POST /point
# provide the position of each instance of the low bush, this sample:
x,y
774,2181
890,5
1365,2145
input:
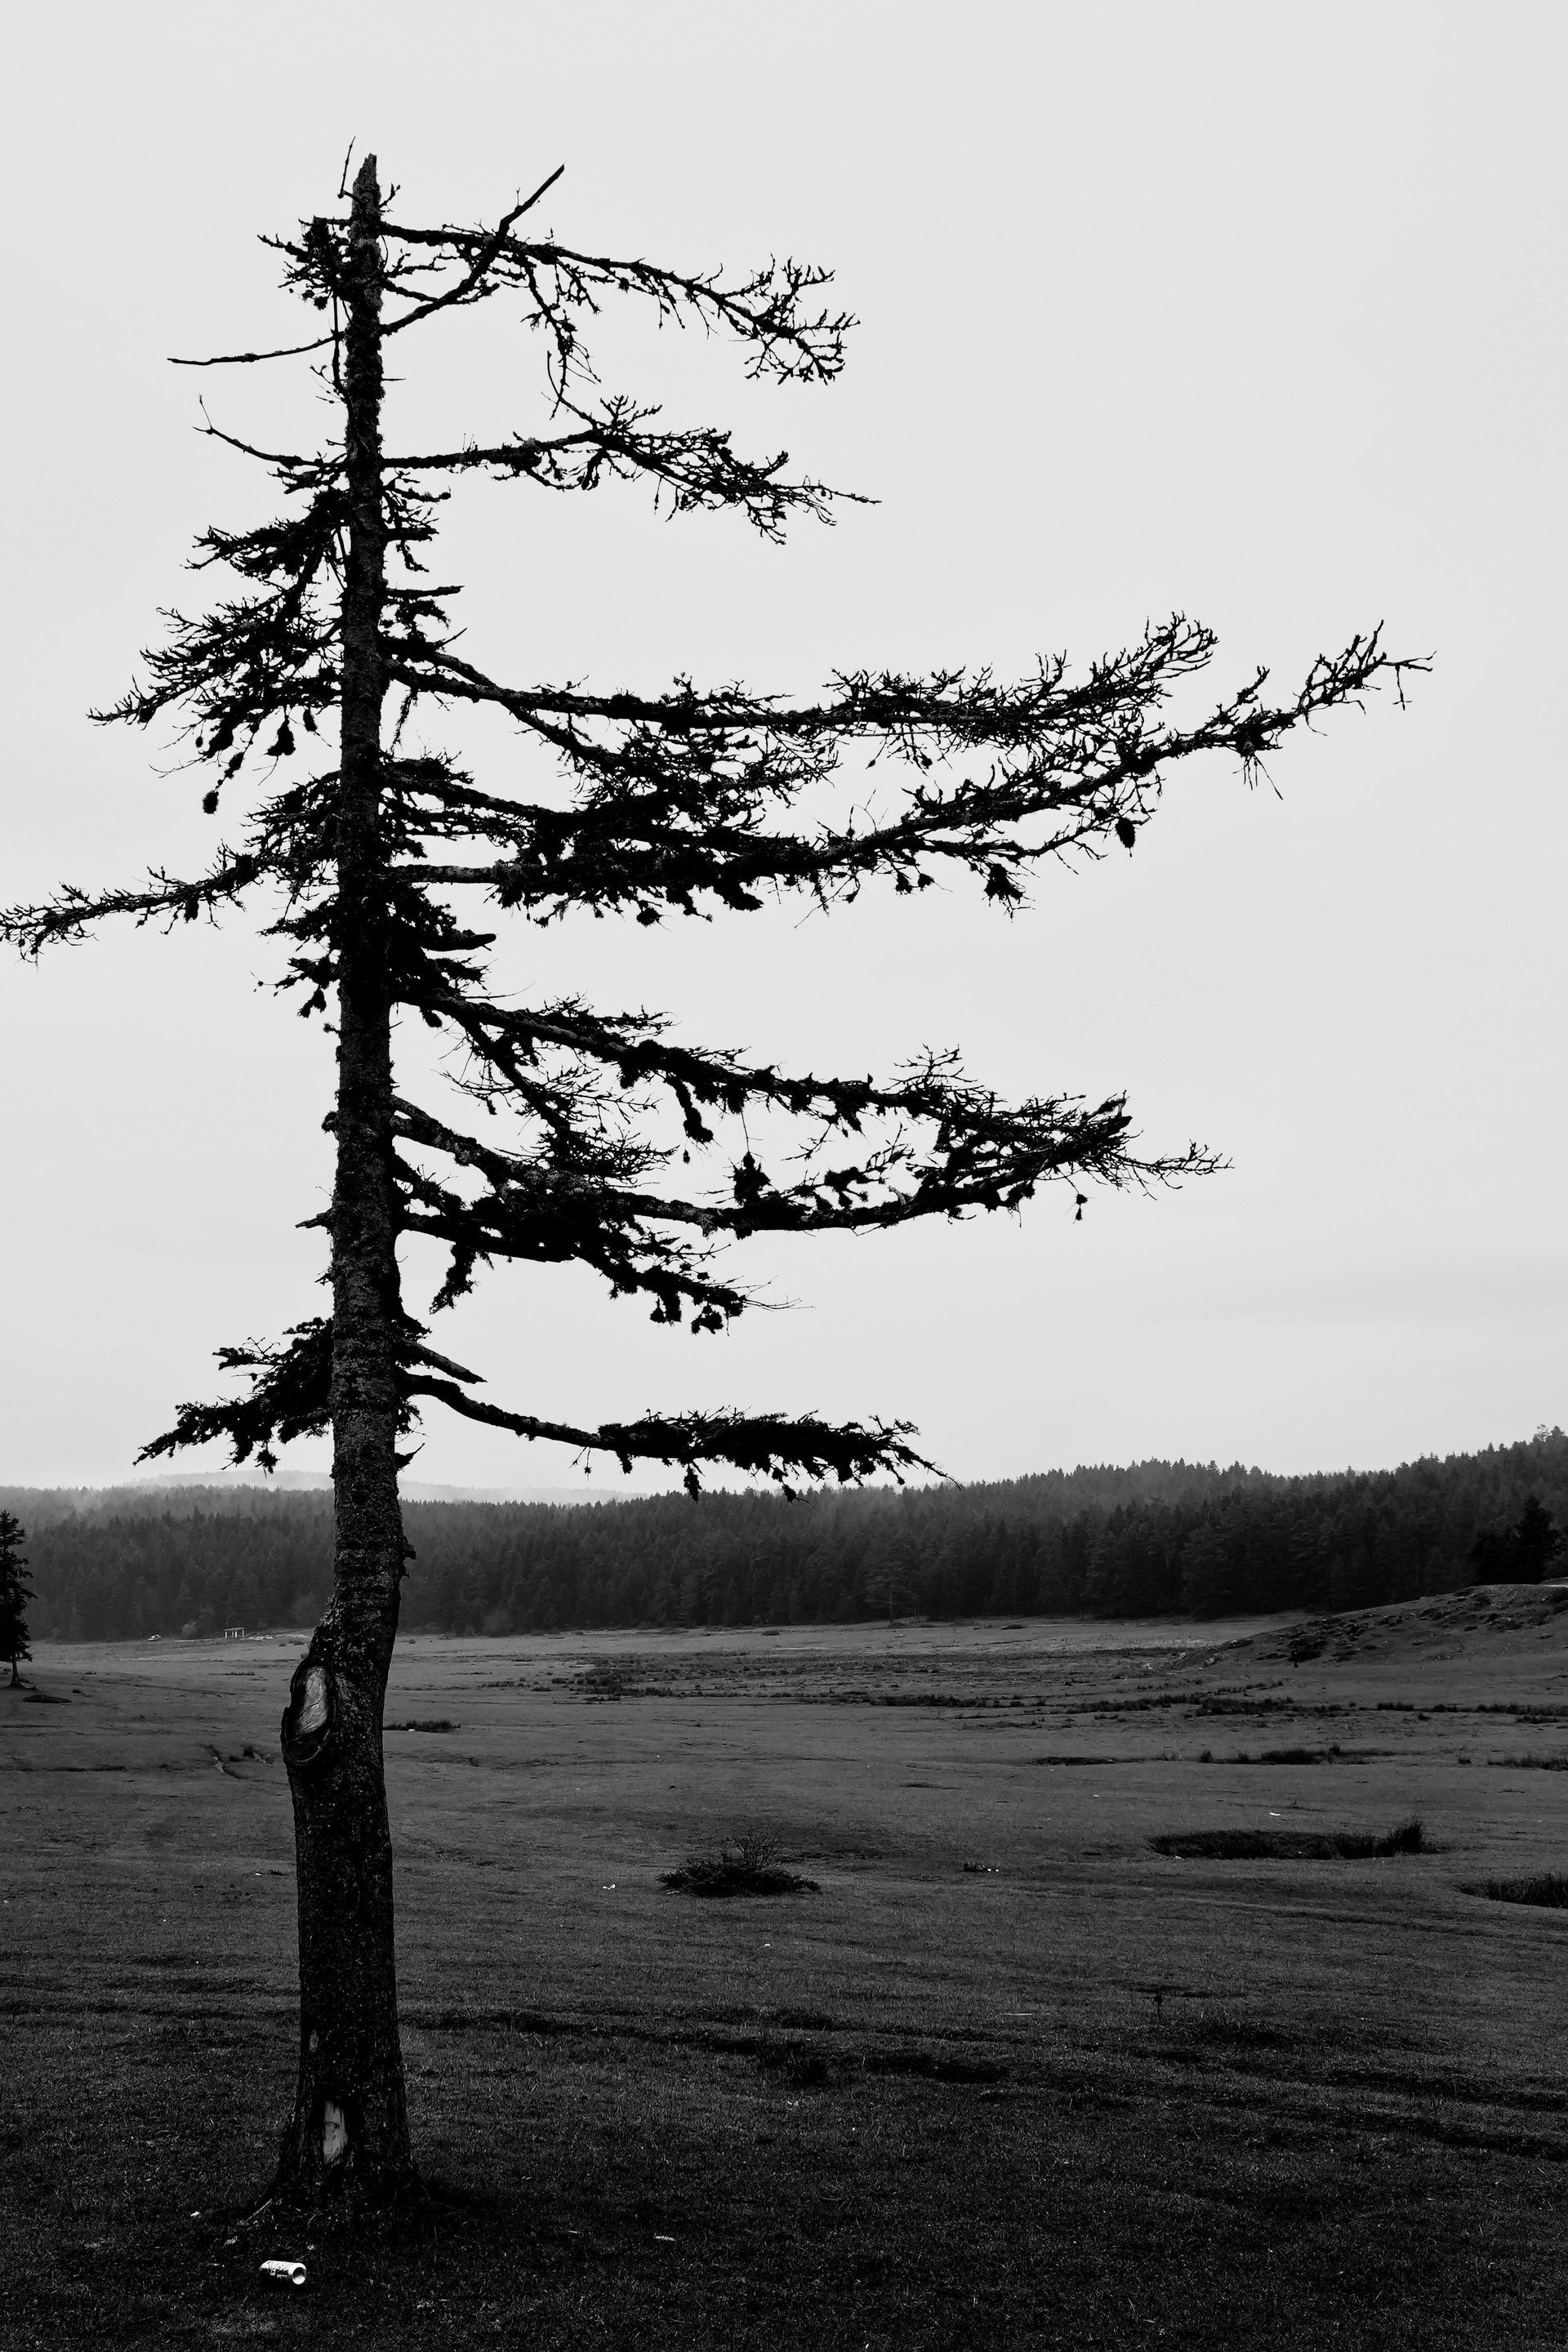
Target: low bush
x,y
1408,1838
750,1865
1547,1888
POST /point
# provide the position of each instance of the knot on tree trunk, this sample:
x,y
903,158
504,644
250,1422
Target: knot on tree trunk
x,y
310,1719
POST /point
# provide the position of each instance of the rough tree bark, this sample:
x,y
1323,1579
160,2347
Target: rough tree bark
x,y
349,2130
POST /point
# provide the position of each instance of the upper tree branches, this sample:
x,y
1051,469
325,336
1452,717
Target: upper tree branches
x,y
628,1153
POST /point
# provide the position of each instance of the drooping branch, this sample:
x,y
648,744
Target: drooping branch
x,y
770,310
535,1219
72,911
289,1396
774,1445
470,286
690,469
256,658
978,1154
679,791
635,1046
251,359
1044,720
925,717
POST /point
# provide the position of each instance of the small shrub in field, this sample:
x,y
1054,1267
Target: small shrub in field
x,y
750,1865
1408,1838
1548,1888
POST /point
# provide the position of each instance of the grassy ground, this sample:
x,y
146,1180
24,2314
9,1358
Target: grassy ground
x,y
1008,2076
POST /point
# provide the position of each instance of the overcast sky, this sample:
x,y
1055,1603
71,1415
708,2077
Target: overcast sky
x,y
1252,312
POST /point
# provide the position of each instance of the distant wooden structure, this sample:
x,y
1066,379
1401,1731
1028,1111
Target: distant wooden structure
x,y
234,1633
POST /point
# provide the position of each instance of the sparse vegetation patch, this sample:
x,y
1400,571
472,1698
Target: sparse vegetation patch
x,y
1292,1845
751,1865
1548,1889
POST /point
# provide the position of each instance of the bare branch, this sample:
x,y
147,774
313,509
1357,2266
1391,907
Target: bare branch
x,y
697,467
290,1389
250,358
679,788
559,283
476,272
72,912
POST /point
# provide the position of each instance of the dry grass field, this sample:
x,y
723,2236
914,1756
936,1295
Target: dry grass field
x,y
1008,2075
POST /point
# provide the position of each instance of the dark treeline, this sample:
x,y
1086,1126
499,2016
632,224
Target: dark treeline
x,y
1155,1539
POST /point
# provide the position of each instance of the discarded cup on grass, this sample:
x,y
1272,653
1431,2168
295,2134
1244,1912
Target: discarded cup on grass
x,y
285,2273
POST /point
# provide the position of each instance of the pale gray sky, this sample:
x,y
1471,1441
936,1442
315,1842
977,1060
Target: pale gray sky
x,y
1253,312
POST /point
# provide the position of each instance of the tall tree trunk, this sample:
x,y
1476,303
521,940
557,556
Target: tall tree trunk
x,y
349,2131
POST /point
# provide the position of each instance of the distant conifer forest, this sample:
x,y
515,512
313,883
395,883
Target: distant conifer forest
x,y
1158,1538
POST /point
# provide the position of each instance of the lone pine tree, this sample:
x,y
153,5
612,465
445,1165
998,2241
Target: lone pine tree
x,y
635,802
15,1594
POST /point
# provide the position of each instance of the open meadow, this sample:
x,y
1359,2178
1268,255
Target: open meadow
x,y
1006,2074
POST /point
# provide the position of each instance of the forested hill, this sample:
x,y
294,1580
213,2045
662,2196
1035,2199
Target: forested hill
x,y
1159,1537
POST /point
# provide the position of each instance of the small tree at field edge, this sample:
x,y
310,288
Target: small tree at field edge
x,y
15,1594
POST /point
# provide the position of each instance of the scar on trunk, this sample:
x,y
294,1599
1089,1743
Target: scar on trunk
x,y
310,1717
334,2133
